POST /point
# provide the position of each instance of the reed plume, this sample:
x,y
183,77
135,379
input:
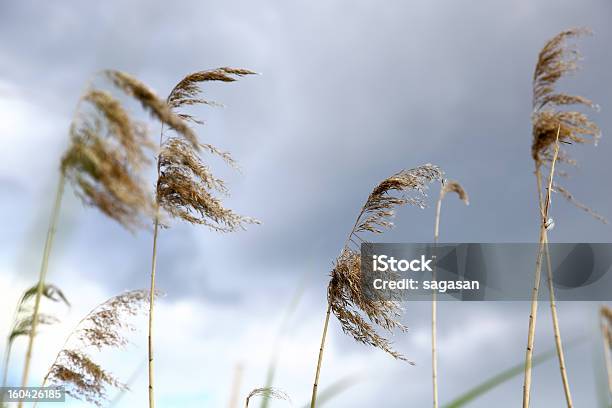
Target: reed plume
x,y
186,188
445,188
106,326
357,313
267,392
551,124
103,162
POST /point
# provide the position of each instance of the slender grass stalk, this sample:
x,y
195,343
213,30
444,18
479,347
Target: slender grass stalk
x,y
537,278
152,286
41,279
151,312
434,310
445,187
607,343
553,305
313,400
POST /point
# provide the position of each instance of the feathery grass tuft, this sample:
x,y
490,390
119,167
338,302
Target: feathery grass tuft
x,y
556,60
344,293
104,327
187,92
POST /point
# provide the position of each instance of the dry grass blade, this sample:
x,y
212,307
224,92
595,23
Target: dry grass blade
x,y
22,324
152,103
106,153
104,327
556,60
267,392
344,291
187,92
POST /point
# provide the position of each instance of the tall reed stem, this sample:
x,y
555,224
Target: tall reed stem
x,y
313,401
151,309
152,288
41,279
434,309
605,332
536,285
553,307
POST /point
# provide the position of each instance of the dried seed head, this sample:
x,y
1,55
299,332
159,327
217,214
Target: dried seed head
x,y
153,104
187,92
380,206
186,187
267,392
345,293
348,302
556,60
451,186
103,327
103,161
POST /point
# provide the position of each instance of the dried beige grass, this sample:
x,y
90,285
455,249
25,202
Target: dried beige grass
x,y
557,59
104,327
358,314
186,188
106,154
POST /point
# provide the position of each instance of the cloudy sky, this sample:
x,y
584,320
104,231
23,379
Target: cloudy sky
x,y
350,92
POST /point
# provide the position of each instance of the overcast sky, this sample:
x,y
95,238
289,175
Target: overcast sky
x,y
350,93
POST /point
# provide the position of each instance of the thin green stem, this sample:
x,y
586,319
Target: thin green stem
x,y
41,279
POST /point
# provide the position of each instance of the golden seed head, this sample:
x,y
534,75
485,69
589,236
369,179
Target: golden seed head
x,y
345,292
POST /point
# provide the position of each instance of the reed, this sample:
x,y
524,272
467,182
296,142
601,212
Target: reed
x,y
553,124
103,163
103,327
445,188
344,292
186,188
